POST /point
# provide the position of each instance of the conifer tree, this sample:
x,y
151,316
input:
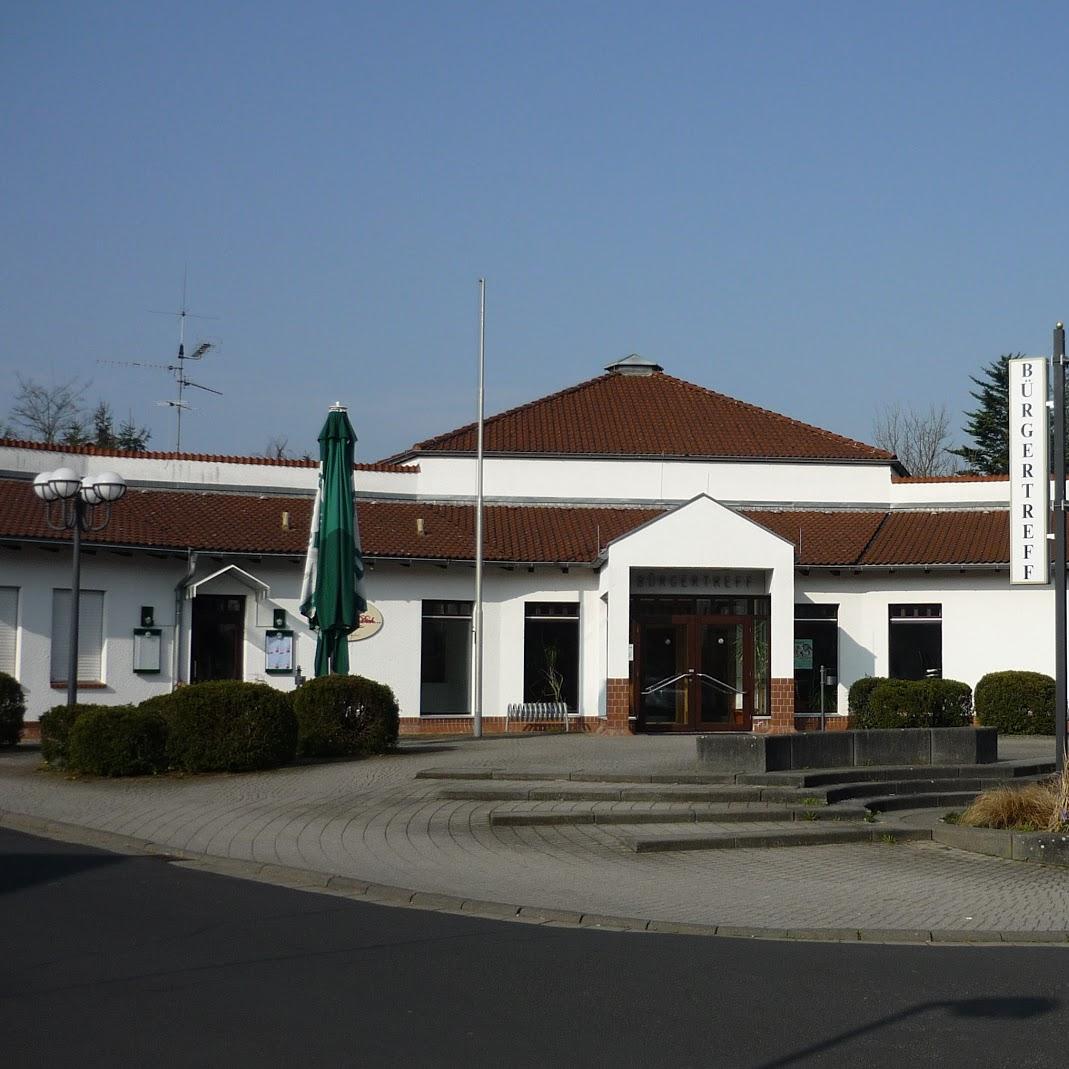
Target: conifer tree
x,y
988,424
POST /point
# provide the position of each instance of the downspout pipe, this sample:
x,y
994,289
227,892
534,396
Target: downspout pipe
x,y
179,603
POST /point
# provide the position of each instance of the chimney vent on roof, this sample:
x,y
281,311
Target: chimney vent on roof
x,y
419,526
633,365
285,521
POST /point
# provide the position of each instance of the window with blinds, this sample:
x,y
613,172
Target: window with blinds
x,y
9,620
90,635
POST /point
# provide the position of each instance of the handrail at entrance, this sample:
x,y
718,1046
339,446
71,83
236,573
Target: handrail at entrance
x,y
719,682
667,682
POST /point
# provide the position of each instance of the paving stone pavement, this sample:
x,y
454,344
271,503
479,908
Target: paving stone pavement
x,y
375,821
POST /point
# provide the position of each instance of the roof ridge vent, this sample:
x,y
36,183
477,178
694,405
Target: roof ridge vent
x,y
633,365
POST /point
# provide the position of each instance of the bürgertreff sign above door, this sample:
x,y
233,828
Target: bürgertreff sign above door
x,y
1029,470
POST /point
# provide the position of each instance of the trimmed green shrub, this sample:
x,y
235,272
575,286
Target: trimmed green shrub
x,y
918,703
12,710
345,716
1017,703
857,698
228,726
56,727
117,740
158,704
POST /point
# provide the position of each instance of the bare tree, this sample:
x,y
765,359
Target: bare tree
x,y
49,413
919,438
277,447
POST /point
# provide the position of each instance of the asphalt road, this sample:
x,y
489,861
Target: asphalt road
x,y
108,960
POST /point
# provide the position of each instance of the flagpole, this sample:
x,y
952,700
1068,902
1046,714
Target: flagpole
x,y
477,615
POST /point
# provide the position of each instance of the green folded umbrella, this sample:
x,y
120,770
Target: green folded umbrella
x,y
332,594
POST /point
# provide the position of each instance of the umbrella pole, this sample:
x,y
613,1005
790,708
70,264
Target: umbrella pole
x,y
477,615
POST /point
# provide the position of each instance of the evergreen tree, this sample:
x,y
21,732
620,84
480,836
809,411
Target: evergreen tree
x,y
103,426
988,424
132,437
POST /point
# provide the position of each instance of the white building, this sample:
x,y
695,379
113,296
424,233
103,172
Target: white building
x,y
665,557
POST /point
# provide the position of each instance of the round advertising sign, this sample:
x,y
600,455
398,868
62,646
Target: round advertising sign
x,y
370,624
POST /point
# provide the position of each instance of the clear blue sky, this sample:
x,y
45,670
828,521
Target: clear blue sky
x,y
814,207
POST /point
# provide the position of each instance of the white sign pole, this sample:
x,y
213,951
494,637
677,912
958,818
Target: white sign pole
x,y
1029,471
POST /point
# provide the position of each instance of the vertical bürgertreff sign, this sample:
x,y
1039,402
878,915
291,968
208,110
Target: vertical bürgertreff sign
x,y
1029,470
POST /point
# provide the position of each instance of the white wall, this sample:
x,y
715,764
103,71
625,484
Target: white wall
x,y
626,479
988,626
217,474
700,534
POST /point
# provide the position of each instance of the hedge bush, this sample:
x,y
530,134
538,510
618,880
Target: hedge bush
x,y
12,710
56,727
229,726
117,740
345,716
160,704
1017,703
918,703
857,698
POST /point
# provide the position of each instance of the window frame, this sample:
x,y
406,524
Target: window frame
x,y
10,627
60,637
555,614
900,620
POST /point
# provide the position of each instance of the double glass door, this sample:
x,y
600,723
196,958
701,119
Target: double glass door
x,y
694,673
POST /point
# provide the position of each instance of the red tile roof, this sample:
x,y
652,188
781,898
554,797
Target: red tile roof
x,y
249,523
963,478
212,458
651,416
964,537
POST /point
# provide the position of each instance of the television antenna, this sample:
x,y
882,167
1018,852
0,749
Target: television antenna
x,y
178,369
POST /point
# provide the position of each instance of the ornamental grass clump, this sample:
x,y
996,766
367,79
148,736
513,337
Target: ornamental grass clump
x,y
1032,807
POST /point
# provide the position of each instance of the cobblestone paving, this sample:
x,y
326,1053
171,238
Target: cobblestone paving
x,y
374,820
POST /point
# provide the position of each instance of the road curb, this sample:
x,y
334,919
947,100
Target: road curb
x,y
387,895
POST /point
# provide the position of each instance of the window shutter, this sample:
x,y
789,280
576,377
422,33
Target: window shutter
x,y
9,616
90,635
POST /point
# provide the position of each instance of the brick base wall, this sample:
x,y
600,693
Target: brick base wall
x,y
617,707
831,723
492,725
782,720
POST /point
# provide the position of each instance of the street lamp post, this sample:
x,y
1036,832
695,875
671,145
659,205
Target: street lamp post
x,y
77,505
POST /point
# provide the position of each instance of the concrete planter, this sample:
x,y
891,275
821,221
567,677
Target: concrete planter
x,y
843,749
1044,847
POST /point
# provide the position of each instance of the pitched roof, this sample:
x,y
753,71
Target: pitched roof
x,y
212,458
650,415
248,523
966,537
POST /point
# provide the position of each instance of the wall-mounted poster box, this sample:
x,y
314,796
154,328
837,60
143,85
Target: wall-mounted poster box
x,y
147,644
279,645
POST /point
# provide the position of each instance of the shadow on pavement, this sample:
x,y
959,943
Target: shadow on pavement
x,y
25,870
1015,1008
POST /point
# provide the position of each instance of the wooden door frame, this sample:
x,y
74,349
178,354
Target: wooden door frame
x,y
693,624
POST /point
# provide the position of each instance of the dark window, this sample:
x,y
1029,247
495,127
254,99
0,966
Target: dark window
x,y
816,643
915,641
445,659
551,653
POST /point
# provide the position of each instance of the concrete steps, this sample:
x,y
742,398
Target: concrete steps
x,y
741,813
505,791
685,810
665,839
